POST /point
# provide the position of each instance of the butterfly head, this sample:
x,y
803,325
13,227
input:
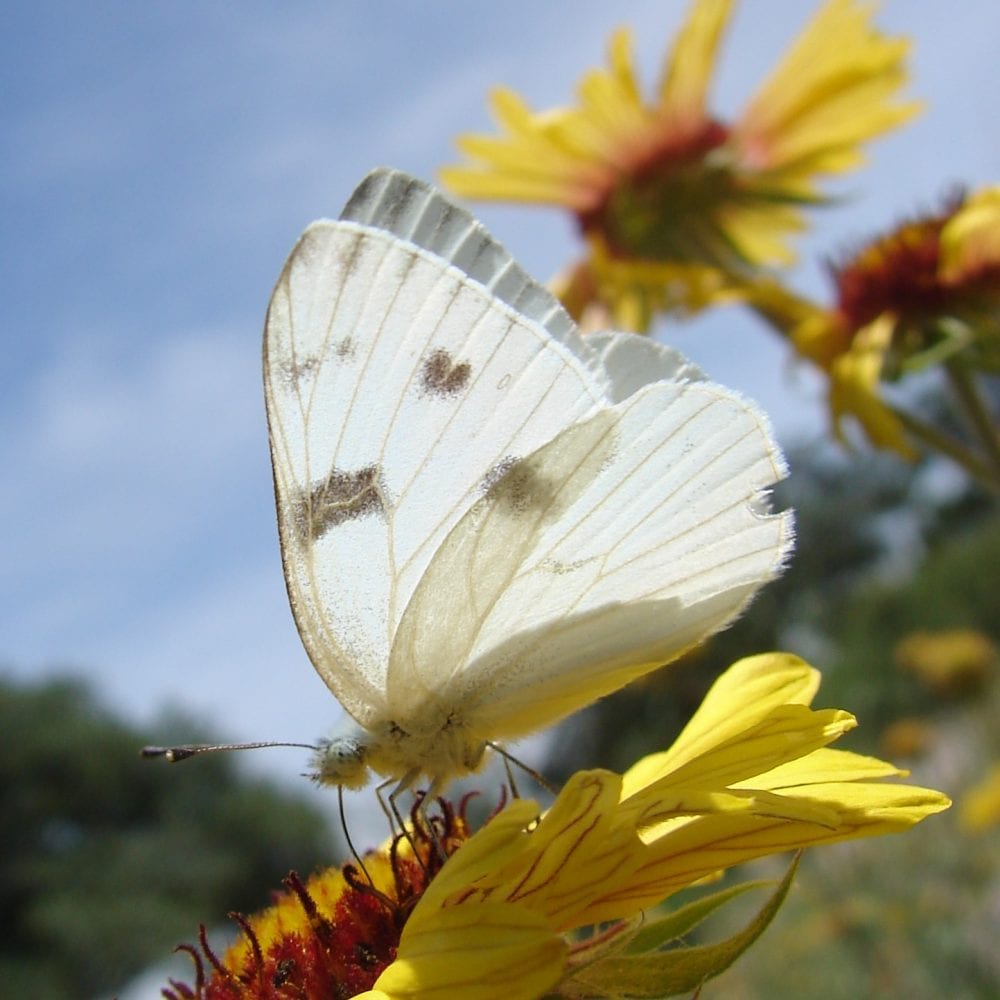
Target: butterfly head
x,y
441,752
342,761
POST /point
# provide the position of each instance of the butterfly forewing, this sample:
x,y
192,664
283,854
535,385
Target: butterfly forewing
x,y
396,389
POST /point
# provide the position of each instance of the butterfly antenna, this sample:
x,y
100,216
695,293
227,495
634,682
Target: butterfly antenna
x,y
183,752
350,843
509,758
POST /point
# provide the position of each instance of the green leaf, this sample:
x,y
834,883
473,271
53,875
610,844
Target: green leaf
x,y
680,970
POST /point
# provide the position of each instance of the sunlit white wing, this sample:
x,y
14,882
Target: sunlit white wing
x,y
634,534
630,362
397,384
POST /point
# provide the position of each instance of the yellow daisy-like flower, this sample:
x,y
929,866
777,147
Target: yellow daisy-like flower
x,y
673,202
551,905
926,293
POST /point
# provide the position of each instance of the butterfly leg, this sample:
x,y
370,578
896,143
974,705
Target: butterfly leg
x,y
429,796
509,758
395,817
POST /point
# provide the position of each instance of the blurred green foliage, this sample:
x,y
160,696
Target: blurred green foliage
x,y
108,861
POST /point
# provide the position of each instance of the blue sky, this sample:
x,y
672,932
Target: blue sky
x,y
159,162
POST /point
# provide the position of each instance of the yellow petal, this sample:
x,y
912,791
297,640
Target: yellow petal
x,y
699,847
501,840
854,381
832,91
689,68
577,848
824,766
971,238
478,951
788,732
744,695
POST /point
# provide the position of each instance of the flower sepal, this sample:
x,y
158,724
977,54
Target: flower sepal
x,y
649,967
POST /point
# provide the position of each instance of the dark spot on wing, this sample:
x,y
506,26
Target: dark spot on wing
x,y
344,349
515,484
296,371
442,376
343,496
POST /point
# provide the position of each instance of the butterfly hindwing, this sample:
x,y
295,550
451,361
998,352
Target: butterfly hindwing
x,y
659,537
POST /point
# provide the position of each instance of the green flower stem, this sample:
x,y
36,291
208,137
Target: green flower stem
x,y
979,417
935,440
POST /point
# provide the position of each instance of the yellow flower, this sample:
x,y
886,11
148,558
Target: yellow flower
x,y
749,776
558,904
908,737
333,934
665,192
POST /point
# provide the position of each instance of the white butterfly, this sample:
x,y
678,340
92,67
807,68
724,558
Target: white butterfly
x,y
487,520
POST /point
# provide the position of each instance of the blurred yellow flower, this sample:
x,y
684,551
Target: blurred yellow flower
x,y
980,807
673,202
948,662
907,737
553,905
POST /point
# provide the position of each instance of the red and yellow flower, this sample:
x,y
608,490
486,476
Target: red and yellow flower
x,y
927,293
676,204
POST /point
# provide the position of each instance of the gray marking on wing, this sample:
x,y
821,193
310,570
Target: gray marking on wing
x,y
514,485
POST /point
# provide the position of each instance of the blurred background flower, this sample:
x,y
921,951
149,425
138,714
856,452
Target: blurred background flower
x,y
681,210
924,296
672,201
